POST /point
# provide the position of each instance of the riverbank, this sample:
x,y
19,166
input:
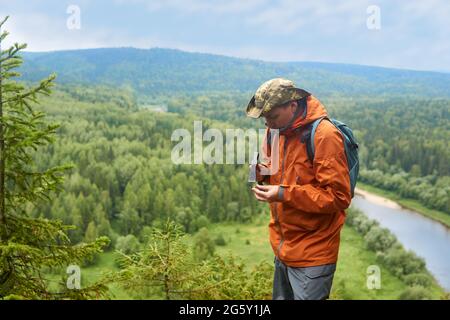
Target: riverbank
x,y
372,197
398,251
392,200
250,242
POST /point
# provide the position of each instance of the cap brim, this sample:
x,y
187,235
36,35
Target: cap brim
x,y
252,111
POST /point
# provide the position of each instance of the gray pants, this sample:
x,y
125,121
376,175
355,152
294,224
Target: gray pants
x,y
308,283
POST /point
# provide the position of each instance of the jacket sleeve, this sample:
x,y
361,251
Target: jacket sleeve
x,y
331,192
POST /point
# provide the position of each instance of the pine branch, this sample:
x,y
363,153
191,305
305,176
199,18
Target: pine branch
x,y
3,229
30,245
3,21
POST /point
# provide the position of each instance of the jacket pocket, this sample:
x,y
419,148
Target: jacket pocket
x,y
304,220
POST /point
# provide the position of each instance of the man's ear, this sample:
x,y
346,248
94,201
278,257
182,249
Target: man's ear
x,y
294,106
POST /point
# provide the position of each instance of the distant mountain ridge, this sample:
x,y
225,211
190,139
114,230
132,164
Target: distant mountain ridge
x,y
158,70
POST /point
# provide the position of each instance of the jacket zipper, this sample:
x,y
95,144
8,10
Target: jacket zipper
x,y
276,211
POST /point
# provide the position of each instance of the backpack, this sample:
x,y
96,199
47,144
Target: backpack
x,y
350,145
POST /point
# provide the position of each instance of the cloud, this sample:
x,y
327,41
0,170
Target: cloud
x,y
413,34
435,11
289,16
44,33
198,6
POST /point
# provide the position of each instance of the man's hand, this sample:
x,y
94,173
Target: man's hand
x,y
266,193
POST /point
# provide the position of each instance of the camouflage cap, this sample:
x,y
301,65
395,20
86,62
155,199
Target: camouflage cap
x,y
273,93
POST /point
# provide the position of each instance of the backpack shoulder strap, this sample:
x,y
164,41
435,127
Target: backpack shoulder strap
x,y
310,148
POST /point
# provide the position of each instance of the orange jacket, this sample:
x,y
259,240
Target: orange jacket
x,y
305,225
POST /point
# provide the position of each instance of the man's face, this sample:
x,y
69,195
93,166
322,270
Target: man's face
x,y
279,117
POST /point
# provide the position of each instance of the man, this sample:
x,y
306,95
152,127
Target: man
x,y
307,197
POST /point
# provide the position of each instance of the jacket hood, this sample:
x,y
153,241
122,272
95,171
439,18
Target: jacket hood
x,y
314,110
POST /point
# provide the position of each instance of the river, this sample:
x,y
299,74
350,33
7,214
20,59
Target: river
x,y
429,239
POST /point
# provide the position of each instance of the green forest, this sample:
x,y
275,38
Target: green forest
x,y
87,176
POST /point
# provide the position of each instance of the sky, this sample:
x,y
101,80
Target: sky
x,y
412,34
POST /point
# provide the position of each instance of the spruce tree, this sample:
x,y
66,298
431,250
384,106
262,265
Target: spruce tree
x,y
29,245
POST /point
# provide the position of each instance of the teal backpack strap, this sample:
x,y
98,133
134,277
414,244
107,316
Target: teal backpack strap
x,y
311,150
350,146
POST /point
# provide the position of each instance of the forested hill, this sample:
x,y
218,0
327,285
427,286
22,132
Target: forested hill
x,y
153,71
399,116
